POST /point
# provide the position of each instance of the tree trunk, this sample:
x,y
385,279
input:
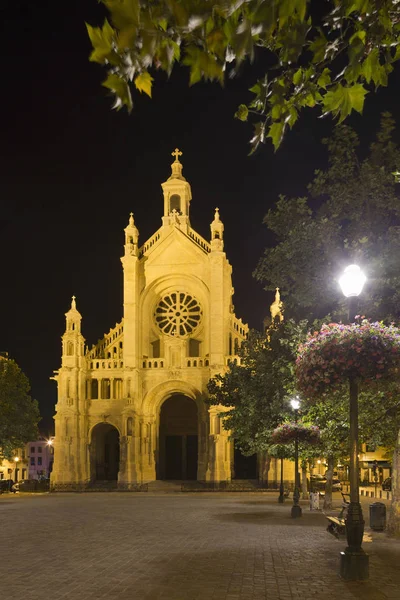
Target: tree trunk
x,y
304,493
393,527
265,464
328,486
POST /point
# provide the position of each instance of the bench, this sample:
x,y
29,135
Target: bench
x,y
337,525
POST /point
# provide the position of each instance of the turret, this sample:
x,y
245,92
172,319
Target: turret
x,y
131,238
72,340
217,233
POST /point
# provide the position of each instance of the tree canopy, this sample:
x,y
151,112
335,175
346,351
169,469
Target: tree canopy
x,y
256,393
310,54
19,414
351,215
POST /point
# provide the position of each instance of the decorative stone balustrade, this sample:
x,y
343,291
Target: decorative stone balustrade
x,y
233,359
159,363
106,364
200,241
150,243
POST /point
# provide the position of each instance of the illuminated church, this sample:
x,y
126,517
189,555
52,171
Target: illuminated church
x,y
132,408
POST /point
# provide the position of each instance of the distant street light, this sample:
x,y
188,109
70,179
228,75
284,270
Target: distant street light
x,y
353,561
296,508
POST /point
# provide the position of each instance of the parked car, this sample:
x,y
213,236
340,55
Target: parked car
x,y
318,483
387,485
6,485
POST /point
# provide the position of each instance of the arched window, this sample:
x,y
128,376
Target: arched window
x,y
129,426
230,345
70,349
175,203
236,345
217,425
105,389
94,392
68,387
117,391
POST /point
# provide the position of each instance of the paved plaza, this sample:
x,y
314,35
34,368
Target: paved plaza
x,y
178,547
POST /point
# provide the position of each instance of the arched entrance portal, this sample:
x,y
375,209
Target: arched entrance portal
x,y
178,439
104,453
245,467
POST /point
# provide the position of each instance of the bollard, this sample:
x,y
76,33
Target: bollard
x,y
377,516
314,501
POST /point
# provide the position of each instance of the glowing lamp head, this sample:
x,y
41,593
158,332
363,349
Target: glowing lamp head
x,y
295,403
352,281
16,459
49,442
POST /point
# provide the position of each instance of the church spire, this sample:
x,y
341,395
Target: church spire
x,y
131,237
73,317
276,308
177,166
217,232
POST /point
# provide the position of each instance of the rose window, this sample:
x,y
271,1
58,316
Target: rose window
x,y
178,314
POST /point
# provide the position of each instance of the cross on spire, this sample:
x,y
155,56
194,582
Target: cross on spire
x,y
177,153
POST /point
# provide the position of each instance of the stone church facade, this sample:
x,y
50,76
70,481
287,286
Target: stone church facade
x,y
132,408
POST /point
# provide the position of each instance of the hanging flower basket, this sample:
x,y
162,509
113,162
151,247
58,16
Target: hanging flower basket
x,y
288,432
369,352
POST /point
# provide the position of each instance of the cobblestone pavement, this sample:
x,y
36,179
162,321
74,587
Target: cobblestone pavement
x,y
120,546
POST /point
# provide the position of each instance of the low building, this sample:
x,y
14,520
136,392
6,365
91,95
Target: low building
x,y
16,468
34,461
375,464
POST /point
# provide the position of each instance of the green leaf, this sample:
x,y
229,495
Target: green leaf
x,y
102,42
318,47
143,83
124,13
324,79
342,100
121,89
358,35
297,77
126,37
276,132
242,112
370,65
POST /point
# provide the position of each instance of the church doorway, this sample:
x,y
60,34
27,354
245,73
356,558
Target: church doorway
x,y
104,453
178,439
245,467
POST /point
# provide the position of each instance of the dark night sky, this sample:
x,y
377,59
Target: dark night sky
x,y
72,170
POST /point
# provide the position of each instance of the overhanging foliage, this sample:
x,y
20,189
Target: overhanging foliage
x,y
326,55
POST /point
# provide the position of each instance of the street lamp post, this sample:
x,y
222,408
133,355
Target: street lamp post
x,y
353,561
296,508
